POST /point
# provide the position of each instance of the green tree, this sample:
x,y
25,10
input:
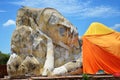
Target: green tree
x,y
4,58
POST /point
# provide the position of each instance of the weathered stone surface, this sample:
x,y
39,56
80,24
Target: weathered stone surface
x,y
43,40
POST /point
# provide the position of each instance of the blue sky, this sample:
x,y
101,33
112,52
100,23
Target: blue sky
x,y
81,13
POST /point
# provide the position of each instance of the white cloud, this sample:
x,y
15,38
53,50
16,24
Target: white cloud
x,y
100,11
9,22
80,8
2,11
116,26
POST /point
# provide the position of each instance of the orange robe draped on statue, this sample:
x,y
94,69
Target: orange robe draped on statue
x,y
101,49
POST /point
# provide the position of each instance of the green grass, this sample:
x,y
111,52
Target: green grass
x,y
85,77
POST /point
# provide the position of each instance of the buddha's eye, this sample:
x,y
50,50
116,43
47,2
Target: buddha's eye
x,y
62,31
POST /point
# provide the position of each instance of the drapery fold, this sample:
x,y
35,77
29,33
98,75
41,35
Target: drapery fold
x,y
101,51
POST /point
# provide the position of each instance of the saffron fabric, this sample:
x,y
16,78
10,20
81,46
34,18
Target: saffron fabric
x,y
101,50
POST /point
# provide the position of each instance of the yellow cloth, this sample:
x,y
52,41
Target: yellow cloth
x,y
98,29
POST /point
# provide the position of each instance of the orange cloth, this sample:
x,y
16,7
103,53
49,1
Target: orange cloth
x,y
101,52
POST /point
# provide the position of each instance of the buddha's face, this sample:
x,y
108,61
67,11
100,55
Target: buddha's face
x,y
50,22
